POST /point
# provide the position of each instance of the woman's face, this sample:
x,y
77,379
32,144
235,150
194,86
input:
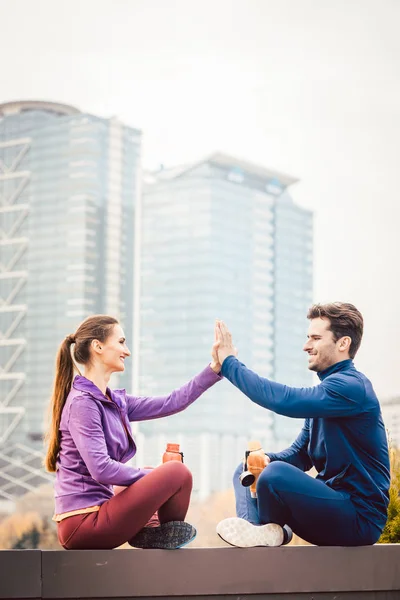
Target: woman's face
x,y
115,350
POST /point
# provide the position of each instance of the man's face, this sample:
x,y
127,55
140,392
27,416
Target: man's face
x,y
323,351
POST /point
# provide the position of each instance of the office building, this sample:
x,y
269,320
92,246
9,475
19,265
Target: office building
x,y
69,183
221,238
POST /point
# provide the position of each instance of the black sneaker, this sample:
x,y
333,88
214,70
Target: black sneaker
x,y
167,536
287,535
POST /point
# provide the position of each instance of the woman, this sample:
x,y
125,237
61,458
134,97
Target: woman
x,y
90,441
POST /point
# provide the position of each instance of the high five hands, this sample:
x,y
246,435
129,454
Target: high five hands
x,y
222,347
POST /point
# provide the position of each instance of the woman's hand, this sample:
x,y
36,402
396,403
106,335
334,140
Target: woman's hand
x,y
215,364
224,340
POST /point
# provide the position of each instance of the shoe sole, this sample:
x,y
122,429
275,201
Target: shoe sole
x,y
241,533
169,536
184,543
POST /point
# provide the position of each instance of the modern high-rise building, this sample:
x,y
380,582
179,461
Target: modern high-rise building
x,y
69,184
293,294
220,239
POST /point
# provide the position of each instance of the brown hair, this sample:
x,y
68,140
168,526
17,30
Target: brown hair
x,y
345,320
97,327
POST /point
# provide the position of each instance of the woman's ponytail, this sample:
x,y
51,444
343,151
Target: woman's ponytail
x,y
62,386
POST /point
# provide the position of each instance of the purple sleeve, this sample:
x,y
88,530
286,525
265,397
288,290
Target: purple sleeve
x,y
142,408
87,433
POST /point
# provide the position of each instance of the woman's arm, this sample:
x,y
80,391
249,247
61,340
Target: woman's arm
x,y
142,408
88,435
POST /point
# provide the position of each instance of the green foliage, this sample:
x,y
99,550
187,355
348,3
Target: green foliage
x,y
28,540
391,533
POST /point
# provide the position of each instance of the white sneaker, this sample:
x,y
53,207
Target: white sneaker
x,y
239,532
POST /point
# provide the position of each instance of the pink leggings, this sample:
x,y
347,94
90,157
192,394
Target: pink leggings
x,y
166,489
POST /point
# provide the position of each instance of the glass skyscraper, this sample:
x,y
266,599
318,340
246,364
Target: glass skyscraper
x,y
220,239
292,298
217,239
69,183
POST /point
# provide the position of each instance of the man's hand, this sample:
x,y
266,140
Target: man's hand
x,y
224,340
266,461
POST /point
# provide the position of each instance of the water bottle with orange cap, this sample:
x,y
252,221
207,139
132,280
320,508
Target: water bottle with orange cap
x,y
254,463
172,452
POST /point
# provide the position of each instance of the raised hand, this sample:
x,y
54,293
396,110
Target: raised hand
x,y
215,364
225,344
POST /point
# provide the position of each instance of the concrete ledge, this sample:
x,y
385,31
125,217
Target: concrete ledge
x,y
300,572
20,574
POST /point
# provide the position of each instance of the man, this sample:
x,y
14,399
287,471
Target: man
x,y
343,437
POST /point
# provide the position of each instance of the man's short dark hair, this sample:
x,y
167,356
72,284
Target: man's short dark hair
x,y
345,320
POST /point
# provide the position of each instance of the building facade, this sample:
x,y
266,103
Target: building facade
x,y
69,183
391,417
293,287
220,239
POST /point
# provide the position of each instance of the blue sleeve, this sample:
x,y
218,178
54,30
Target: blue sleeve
x,y
297,455
339,395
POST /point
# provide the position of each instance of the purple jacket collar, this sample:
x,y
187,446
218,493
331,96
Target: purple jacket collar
x,y
85,385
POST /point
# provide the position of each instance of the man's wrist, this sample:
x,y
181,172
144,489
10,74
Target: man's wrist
x,y
224,359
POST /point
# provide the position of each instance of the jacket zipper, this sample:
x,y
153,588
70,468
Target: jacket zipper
x,y
128,435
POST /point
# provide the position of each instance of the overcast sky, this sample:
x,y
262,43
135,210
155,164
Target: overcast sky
x,y
309,87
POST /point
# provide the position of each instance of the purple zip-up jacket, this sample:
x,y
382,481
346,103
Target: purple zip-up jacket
x,y
96,438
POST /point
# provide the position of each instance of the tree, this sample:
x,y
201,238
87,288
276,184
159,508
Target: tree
x,y
28,541
16,528
391,532
28,531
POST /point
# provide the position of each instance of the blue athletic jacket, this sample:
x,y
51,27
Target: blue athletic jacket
x,y
343,436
